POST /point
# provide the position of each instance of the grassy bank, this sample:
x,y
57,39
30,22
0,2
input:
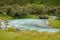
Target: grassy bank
x,y
55,23
5,17
30,16
28,35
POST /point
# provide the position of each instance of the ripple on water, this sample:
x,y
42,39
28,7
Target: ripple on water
x,y
32,24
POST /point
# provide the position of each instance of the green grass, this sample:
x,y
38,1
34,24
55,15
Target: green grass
x,y
5,17
55,23
50,17
28,35
30,16
4,35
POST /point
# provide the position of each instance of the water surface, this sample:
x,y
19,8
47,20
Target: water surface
x,y
32,24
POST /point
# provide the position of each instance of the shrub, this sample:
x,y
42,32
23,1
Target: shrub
x,y
18,11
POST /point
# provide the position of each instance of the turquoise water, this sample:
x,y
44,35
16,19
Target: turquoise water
x,y
32,24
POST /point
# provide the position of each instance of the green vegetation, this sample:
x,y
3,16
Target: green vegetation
x,y
49,16
31,16
5,17
23,2
21,8
55,23
11,29
17,11
14,9
4,35
28,35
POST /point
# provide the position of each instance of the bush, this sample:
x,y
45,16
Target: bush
x,y
14,11
18,11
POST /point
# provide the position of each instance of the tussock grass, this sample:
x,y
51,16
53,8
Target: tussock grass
x,y
55,23
28,35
